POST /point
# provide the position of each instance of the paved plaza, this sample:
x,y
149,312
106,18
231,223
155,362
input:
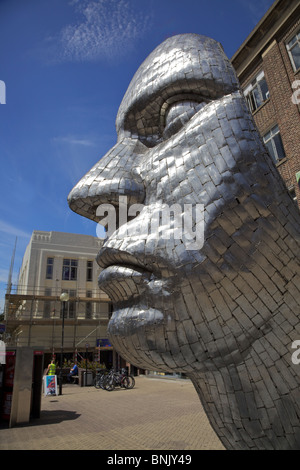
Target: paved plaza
x,y
158,414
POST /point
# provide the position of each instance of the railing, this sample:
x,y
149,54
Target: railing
x,y
50,339
33,304
27,310
41,291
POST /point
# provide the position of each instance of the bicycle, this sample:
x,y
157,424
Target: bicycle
x,y
128,380
114,379
100,379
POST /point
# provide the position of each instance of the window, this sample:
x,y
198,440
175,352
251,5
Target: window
x,y
49,268
293,48
274,144
69,272
71,308
47,303
257,92
88,311
88,305
89,270
70,305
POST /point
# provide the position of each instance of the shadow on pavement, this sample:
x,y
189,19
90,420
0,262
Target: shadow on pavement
x,y
54,416
47,417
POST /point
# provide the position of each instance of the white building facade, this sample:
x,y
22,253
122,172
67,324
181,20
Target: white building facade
x,y
53,263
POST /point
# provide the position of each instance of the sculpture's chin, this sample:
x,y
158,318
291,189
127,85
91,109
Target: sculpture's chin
x,y
130,321
133,349
139,335
147,338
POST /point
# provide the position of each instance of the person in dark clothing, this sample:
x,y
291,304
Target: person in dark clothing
x,y
73,371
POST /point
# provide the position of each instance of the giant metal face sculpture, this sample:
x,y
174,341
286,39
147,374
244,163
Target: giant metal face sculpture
x,y
225,311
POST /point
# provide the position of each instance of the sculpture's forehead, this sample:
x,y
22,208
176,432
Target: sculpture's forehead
x,y
183,62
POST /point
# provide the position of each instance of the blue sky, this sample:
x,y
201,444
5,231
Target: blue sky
x,y
66,65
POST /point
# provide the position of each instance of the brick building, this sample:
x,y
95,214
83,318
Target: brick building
x,y
268,67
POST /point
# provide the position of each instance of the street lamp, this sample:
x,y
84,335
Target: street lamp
x,y
64,297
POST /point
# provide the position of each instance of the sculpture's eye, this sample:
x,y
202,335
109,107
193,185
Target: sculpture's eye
x,y
178,114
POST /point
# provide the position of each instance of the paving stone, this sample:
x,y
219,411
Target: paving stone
x,y
157,414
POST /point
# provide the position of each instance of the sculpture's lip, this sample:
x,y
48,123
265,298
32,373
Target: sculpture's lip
x,y
119,267
111,257
115,274
126,276
128,283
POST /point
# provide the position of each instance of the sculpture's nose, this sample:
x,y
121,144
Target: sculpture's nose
x,y
115,175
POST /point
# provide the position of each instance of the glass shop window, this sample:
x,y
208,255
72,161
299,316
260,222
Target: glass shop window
x,y
257,92
49,268
274,144
69,272
293,48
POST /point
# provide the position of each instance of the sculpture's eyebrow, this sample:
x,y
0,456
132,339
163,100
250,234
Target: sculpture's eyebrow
x,y
145,116
164,75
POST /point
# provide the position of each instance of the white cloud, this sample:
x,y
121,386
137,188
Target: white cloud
x,y
74,141
12,230
106,29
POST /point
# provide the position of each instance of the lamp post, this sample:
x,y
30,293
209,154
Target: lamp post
x,y
64,297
